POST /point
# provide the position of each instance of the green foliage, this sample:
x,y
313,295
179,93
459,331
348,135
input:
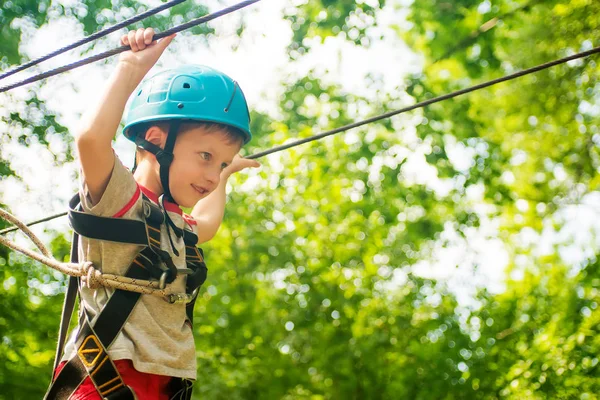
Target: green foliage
x,y
323,18
31,298
314,290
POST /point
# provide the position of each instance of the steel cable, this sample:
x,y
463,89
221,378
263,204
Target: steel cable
x,y
92,37
121,49
386,115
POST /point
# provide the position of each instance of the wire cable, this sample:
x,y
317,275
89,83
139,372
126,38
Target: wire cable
x,y
427,102
37,221
94,36
393,113
121,49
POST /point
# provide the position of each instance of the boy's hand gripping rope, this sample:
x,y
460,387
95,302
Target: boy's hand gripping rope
x,y
121,49
90,276
92,37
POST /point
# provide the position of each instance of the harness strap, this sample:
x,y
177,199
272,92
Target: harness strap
x,y
68,305
194,258
92,341
105,228
118,229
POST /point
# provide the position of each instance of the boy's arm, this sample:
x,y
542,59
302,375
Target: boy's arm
x,y
99,124
209,211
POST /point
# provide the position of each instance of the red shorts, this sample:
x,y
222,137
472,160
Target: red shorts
x,y
146,386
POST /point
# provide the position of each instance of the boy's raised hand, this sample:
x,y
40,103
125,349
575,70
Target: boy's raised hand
x,y
99,124
141,39
240,163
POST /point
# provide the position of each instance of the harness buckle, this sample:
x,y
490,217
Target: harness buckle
x,y
182,298
147,209
178,298
162,283
194,294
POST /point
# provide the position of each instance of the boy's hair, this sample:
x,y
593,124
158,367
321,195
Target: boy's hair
x,y
232,134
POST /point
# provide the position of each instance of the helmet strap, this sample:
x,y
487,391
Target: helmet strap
x,y
163,156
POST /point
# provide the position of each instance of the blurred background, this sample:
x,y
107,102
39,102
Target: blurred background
x,y
446,253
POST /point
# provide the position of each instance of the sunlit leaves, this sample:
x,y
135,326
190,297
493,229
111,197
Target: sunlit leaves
x,y
316,288
320,19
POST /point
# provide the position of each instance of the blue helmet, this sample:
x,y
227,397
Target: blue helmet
x,y
189,93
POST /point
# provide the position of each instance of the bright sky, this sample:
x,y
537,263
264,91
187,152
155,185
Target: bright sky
x,y
260,65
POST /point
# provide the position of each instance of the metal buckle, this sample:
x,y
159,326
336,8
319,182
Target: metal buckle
x,y
162,283
177,298
185,271
194,294
147,209
182,298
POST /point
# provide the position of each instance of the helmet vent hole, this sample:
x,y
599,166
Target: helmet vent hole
x,y
180,105
140,92
186,85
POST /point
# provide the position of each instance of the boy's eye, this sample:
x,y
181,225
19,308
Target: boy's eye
x,y
205,156
223,166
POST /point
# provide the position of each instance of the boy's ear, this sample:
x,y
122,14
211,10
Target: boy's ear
x,y
156,136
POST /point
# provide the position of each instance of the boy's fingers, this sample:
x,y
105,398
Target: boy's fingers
x,y
124,40
249,164
139,38
148,35
132,43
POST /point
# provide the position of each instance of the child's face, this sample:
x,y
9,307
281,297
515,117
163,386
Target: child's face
x,y
199,158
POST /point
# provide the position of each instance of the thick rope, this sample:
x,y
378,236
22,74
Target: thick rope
x,y
382,116
90,276
19,225
121,49
92,37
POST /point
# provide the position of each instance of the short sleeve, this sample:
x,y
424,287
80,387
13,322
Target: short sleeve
x,y
122,191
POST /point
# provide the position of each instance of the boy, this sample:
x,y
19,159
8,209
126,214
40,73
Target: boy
x,y
190,124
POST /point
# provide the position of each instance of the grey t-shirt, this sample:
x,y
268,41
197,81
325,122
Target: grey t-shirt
x,y
157,336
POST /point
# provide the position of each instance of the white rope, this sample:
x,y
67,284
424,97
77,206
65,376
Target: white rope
x,y
90,276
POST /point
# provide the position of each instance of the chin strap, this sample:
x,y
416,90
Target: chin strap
x,y
165,158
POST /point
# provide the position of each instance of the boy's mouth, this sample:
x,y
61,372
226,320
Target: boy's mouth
x,y
200,189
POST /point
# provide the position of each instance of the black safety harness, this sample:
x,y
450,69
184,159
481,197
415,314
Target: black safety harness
x,y
94,337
